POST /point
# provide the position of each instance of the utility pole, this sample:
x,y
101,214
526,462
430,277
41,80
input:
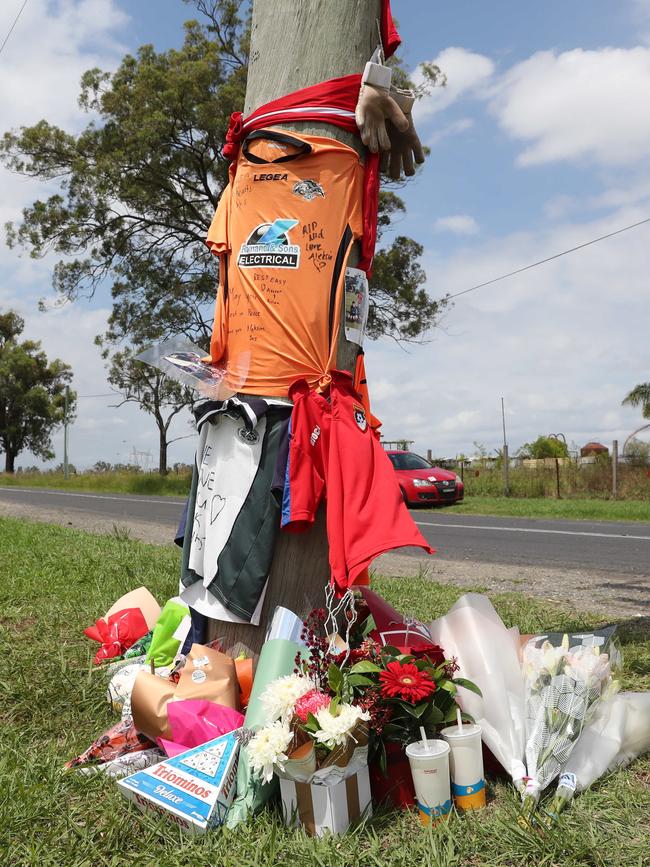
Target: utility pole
x,y
615,469
66,413
295,44
506,486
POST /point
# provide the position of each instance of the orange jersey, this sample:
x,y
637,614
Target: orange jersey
x,y
283,231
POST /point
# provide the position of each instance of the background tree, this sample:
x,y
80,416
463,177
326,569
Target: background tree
x,y
139,185
638,397
155,393
544,447
32,394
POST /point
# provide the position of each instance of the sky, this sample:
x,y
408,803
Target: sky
x,y
539,142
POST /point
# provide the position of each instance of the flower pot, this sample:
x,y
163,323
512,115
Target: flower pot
x,y
396,788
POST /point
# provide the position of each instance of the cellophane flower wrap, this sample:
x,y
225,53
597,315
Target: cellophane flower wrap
x,y
617,733
563,687
487,653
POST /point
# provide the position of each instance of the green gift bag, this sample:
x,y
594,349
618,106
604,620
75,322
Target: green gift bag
x,y
169,632
277,659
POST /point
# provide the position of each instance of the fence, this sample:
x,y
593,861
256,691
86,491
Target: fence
x,y
565,478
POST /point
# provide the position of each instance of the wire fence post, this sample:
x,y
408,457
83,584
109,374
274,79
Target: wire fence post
x,y
65,431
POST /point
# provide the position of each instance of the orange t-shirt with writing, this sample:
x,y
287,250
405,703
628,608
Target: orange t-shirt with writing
x,y
283,230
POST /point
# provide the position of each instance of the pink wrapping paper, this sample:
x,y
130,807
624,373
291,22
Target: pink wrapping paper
x,y
195,721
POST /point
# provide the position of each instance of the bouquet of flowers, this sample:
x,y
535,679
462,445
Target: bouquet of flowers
x,y
322,715
404,692
309,733
563,686
311,725
618,732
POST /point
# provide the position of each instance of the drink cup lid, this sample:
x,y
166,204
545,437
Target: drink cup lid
x,y
417,750
466,731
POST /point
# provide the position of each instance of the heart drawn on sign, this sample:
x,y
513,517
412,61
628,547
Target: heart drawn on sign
x,y
216,507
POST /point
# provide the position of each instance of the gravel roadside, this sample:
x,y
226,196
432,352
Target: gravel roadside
x,y
606,592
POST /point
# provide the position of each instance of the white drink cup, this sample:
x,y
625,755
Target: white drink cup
x,y
466,764
430,770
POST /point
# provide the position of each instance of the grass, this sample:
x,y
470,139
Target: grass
x,y
553,509
54,581
114,482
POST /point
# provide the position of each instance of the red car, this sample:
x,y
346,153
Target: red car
x,y
422,484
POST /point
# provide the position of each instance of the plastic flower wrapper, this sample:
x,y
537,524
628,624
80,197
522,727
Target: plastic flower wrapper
x,y
563,686
186,363
487,653
394,629
618,732
119,740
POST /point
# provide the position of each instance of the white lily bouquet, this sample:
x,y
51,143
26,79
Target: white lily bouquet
x,y
563,686
618,732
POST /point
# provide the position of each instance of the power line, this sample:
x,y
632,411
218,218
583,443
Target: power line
x,y
11,29
549,258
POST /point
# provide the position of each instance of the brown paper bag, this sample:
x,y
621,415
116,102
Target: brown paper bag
x,y
149,705
210,675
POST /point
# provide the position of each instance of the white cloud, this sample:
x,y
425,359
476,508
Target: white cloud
x,y
51,46
458,224
466,71
49,49
589,106
562,343
454,128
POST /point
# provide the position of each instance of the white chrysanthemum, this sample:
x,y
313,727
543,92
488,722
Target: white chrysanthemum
x,y
334,730
267,748
280,696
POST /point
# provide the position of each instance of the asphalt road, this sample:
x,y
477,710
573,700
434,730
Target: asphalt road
x,y
623,548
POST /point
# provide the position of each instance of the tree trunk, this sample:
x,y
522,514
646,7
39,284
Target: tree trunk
x,y
162,450
10,459
294,44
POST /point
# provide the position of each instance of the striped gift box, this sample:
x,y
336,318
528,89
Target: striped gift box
x,y
322,808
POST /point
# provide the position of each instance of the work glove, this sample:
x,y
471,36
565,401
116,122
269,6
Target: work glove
x,y
376,107
405,146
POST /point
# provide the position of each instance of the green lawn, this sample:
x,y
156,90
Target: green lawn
x,y
550,508
54,581
114,482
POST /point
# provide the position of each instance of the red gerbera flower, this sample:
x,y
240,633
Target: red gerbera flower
x,y
403,680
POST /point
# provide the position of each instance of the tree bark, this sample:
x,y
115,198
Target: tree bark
x,y
162,453
10,459
294,44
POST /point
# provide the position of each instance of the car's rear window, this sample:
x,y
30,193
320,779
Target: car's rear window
x,y
408,461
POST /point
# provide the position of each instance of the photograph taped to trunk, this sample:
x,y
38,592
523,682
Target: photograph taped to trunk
x,y
356,305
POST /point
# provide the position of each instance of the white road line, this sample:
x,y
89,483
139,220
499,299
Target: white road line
x,y
88,496
532,530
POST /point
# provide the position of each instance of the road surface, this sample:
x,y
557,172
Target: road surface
x,y
593,565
